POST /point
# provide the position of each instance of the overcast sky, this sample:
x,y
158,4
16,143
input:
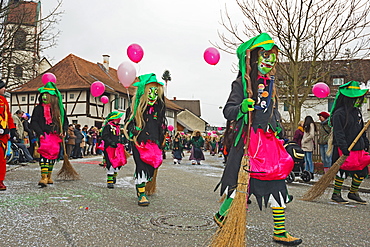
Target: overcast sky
x,y
173,35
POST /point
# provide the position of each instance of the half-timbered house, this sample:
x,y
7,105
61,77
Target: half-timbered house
x,y
74,78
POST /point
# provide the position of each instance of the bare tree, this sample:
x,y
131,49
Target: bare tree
x,y
311,35
24,34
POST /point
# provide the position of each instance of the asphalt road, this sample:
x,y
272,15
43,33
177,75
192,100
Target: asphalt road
x,y
87,213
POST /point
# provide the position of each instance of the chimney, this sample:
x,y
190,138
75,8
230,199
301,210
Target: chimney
x,y
106,62
174,98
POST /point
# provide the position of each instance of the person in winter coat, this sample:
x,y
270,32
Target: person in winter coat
x,y
308,144
298,134
177,149
346,119
30,133
324,133
145,126
77,149
252,105
50,124
111,135
197,143
71,140
7,130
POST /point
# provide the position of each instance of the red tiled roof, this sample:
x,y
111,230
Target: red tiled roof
x,y
75,73
23,12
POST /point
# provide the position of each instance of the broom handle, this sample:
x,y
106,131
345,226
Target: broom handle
x,y
359,135
62,132
250,94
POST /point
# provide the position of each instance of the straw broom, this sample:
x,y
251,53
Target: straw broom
x,y
67,172
319,188
151,186
233,232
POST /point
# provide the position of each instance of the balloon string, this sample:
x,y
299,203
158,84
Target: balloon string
x,y
138,65
128,97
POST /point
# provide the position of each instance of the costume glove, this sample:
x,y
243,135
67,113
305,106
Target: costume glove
x,y
345,151
247,105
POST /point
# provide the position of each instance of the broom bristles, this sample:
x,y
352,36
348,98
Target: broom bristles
x,y
67,172
151,186
319,188
233,232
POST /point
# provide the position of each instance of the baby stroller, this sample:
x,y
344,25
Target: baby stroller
x,y
297,154
12,154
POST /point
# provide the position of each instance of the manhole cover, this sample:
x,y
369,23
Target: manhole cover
x,y
187,222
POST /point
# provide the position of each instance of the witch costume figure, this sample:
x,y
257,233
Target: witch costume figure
x,y
347,122
145,126
269,162
197,143
177,149
50,124
114,150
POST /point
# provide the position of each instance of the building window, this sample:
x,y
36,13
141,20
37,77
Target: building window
x,y
170,114
338,81
18,71
120,103
23,98
20,40
32,98
72,96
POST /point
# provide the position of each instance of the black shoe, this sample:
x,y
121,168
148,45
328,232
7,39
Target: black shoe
x,y
312,175
355,197
110,186
338,199
290,199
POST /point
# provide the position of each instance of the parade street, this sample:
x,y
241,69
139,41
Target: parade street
x,y
86,213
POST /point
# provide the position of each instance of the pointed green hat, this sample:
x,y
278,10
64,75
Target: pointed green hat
x,y
352,89
263,40
114,115
143,81
111,116
52,89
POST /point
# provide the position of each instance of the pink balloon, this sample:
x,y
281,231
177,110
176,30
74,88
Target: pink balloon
x,y
211,56
170,127
48,77
219,128
126,73
97,88
104,99
135,53
321,90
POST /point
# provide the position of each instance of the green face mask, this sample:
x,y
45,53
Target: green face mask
x,y
266,61
153,95
359,102
44,99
